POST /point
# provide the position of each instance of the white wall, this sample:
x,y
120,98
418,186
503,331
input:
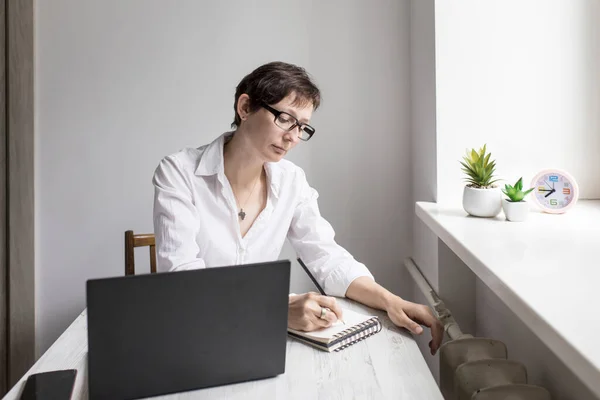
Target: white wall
x,y
360,56
423,149
521,76
119,85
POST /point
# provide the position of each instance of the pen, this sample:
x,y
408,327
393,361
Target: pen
x,y
315,282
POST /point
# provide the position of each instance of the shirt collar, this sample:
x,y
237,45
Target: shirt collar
x,y
274,176
211,163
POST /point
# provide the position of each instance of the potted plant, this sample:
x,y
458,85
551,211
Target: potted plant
x,y
515,208
481,198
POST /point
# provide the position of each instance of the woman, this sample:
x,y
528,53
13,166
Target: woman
x,y
236,200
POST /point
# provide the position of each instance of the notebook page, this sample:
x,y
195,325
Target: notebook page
x,y
351,318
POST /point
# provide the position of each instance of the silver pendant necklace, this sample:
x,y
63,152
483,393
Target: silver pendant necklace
x,y
242,214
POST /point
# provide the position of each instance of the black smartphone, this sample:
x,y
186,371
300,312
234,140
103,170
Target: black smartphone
x,y
53,385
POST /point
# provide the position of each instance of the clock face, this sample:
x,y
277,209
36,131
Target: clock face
x,y
554,190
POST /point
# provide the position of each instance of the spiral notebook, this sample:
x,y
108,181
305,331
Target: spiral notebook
x,y
339,336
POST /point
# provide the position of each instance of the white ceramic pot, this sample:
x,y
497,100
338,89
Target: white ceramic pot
x,y
515,211
482,202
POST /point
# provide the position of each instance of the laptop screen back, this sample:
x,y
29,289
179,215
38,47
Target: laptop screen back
x,y
170,332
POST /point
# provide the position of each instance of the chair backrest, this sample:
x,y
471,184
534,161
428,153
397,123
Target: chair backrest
x,y
132,241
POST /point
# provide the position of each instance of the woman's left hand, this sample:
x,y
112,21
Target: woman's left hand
x,y
411,316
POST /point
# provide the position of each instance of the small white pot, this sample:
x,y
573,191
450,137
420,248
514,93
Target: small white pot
x,y
482,202
515,211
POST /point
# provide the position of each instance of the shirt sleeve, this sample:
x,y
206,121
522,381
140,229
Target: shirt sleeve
x,y
312,237
176,219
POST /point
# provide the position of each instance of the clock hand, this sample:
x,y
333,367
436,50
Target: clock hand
x,y
552,191
548,184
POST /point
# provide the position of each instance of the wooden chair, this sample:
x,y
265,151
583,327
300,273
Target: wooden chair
x,y
131,242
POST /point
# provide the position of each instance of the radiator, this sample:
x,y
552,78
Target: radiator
x,y
473,368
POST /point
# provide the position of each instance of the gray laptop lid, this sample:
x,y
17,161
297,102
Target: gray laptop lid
x,y
170,332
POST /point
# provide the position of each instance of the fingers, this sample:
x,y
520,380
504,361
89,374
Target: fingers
x,y
324,316
314,316
436,327
329,316
323,322
315,303
409,324
424,315
437,335
332,304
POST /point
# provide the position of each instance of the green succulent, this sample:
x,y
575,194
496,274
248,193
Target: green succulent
x,y
478,168
515,193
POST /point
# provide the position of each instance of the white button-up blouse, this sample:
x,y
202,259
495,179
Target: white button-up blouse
x,y
196,220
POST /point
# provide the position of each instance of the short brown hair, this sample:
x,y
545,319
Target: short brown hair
x,y
272,82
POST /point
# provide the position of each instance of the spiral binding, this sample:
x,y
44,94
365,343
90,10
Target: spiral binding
x,y
375,327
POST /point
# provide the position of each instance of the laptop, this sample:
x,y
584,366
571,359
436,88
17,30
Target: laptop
x,y
163,333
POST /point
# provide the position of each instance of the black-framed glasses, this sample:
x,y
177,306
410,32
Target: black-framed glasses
x,y
288,122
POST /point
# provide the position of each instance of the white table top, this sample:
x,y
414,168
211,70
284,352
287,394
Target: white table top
x,y
546,269
388,365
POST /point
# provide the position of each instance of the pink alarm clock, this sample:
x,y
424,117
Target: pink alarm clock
x,y
555,191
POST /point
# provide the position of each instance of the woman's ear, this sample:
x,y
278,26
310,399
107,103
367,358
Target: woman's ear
x,y
243,106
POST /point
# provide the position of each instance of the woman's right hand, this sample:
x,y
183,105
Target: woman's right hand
x,y
305,311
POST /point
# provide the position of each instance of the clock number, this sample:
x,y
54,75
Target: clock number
x,y
553,202
553,178
566,191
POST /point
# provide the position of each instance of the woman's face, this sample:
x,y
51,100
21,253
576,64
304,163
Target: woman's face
x,y
270,141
